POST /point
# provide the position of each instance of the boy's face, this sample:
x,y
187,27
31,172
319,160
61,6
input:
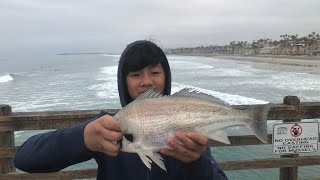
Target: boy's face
x,y
150,77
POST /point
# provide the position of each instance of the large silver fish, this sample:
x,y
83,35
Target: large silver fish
x,y
152,119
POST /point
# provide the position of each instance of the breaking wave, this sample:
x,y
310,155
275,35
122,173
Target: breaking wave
x,y
229,98
107,87
5,78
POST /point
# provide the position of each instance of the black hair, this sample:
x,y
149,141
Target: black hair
x,y
137,56
141,56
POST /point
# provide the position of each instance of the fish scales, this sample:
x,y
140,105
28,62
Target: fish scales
x,y
152,119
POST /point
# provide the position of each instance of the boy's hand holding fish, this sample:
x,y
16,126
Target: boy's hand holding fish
x,y
187,147
100,135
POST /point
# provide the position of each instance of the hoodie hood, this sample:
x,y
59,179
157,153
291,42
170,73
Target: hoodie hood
x,y
122,87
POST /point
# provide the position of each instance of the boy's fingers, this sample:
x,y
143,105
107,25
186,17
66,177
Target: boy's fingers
x,y
111,135
200,139
110,148
186,141
108,122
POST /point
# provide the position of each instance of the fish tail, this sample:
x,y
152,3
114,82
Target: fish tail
x,y
259,126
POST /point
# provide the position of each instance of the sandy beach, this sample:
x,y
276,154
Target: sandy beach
x,y
306,61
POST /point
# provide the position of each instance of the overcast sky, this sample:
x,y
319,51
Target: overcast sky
x,y
56,26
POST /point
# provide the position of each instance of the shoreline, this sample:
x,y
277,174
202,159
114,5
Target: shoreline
x,y
305,61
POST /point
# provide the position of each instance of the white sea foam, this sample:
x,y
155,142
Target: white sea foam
x,y
17,134
229,98
286,81
108,87
5,78
185,65
109,70
229,72
111,55
295,81
209,70
37,106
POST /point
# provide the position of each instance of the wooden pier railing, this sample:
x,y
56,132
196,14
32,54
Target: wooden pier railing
x,y
290,111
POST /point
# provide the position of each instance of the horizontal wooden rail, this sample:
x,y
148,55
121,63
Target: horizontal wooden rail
x,y
269,163
63,175
225,165
235,141
19,121
7,152
242,141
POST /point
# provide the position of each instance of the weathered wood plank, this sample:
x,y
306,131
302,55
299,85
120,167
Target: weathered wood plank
x,y
65,174
270,163
242,141
6,141
225,165
46,120
7,152
5,110
290,173
235,141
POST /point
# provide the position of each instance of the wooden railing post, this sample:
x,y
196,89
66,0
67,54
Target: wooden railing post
x,y
290,173
6,142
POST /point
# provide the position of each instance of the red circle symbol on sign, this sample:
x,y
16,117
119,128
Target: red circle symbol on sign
x,y
296,130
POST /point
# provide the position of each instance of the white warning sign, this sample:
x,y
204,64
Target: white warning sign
x,y
294,138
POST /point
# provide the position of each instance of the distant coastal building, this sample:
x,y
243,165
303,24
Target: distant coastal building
x,y
299,49
289,45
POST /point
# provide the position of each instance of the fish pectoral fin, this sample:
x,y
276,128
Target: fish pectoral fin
x,y
158,155
156,158
148,157
146,161
220,136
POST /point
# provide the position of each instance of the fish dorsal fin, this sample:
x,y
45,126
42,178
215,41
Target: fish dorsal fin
x,y
152,93
189,92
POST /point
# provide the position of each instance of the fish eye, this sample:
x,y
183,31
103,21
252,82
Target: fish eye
x,y
129,137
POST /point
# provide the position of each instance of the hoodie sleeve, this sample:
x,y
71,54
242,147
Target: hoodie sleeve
x,y
53,151
205,168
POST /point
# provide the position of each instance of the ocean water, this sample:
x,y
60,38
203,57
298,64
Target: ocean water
x,y
78,82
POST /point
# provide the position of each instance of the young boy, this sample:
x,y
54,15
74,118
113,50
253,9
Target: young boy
x,y
142,66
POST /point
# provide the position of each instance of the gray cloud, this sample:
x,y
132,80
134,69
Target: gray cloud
x,y
55,26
